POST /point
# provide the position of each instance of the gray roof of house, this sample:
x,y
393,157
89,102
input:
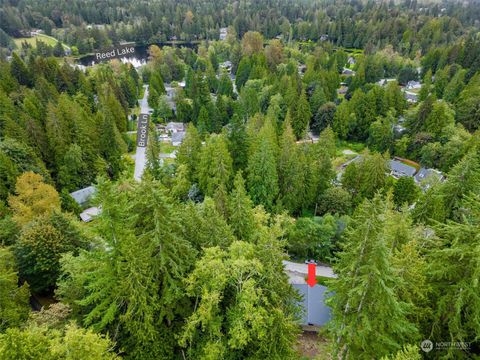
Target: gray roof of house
x,y
178,136
402,168
175,126
88,214
424,173
83,195
314,310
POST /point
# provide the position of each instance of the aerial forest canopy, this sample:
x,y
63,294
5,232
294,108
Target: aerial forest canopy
x,y
281,134
409,26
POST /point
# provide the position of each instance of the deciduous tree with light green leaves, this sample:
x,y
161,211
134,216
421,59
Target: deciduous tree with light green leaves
x,y
241,308
14,299
72,343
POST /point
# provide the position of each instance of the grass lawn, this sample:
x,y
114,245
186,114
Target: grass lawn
x,y
349,145
321,280
49,40
167,147
342,159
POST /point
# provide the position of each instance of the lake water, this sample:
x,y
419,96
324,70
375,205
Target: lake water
x,y
139,57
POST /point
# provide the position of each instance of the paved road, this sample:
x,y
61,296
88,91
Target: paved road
x,y
140,156
298,271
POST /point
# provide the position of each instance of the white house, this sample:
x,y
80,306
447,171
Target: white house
x,y
223,33
174,127
413,85
89,214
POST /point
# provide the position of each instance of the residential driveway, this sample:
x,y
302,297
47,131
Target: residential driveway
x,y
298,271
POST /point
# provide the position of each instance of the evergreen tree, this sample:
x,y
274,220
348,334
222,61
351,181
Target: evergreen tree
x,y
153,98
344,120
153,166
113,110
240,210
110,149
381,134
215,165
426,86
72,173
131,286
369,320
323,117
19,71
467,105
238,143
225,86
243,73
317,99
189,152
365,177
290,175
204,226
204,122
405,191
301,116
453,274
156,83
262,176
58,49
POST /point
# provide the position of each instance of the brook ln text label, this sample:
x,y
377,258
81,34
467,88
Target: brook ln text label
x,y
142,130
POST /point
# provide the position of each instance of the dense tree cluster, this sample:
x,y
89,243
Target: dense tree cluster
x,y
289,137
409,26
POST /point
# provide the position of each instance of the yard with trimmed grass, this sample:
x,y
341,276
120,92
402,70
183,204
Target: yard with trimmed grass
x,y
49,40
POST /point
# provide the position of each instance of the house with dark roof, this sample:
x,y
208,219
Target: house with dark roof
x,y
83,196
399,169
412,97
313,309
177,138
425,177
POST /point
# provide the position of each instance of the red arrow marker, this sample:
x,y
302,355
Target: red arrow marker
x,y
311,275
